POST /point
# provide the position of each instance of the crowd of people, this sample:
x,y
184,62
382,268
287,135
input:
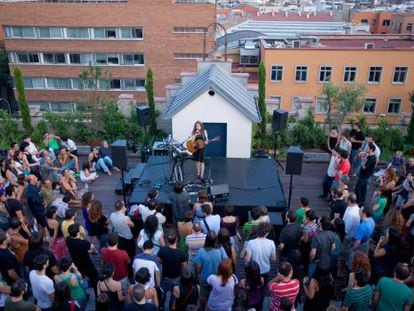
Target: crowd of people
x,y
355,256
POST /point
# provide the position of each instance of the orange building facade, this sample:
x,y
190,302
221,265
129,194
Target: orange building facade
x,y
54,42
295,76
379,22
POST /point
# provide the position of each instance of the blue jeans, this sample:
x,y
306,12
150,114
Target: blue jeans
x,y
104,164
69,166
361,188
327,184
167,285
352,157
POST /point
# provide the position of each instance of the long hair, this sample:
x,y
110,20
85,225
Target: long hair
x,y
253,278
151,226
360,261
62,296
87,197
225,270
195,127
95,211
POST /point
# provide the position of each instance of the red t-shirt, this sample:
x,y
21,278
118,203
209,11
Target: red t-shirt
x,y
283,289
120,259
344,166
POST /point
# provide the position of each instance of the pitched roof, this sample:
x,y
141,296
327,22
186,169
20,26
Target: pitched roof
x,y
222,83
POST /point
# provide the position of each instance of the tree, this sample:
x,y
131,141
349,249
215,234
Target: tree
x,y
410,129
261,102
21,99
149,87
342,101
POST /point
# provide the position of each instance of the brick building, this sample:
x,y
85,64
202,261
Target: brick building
x,y
54,42
384,22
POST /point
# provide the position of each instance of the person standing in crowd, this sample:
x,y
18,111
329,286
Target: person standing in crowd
x,y
253,223
9,266
122,224
143,277
148,260
194,242
357,138
358,297
14,207
351,220
180,201
330,174
35,203
151,232
344,142
301,211
363,233
367,169
222,284
99,223
79,250
118,258
113,288
210,222
16,300
138,301
283,286
173,260
19,242
333,139
261,250
338,205
42,285
318,290
391,294
57,241
253,284
186,293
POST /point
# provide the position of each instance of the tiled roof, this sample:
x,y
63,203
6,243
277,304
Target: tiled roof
x,y
222,83
294,17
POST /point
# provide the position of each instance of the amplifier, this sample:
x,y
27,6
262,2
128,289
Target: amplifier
x,y
219,192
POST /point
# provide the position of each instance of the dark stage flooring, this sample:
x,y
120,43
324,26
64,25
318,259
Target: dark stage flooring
x,y
251,182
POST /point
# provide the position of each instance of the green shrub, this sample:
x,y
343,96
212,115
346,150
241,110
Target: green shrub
x,y
10,131
390,138
39,130
307,133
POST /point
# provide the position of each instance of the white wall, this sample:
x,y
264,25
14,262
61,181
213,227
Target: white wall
x,y
215,109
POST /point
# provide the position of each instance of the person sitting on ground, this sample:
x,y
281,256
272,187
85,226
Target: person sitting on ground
x,y
57,241
105,154
86,175
49,172
13,148
70,145
68,184
52,142
97,163
19,242
248,226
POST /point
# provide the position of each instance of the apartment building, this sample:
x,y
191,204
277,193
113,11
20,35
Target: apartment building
x,y
54,41
385,21
297,72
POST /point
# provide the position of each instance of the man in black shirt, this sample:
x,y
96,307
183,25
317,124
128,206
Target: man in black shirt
x,y
173,260
14,207
357,139
367,169
138,300
339,204
35,203
9,267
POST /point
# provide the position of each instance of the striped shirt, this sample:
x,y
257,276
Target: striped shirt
x,y
358,299
283,289
194,243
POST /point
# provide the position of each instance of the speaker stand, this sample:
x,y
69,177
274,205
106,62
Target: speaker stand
x,y
123,186
290,190
274,152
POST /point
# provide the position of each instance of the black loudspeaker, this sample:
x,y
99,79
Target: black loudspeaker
x,y
219,192
294,161
279,121
119,154
143,115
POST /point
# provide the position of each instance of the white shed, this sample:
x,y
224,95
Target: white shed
x,y
222,102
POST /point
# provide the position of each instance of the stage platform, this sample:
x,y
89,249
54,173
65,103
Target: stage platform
x,y
252,182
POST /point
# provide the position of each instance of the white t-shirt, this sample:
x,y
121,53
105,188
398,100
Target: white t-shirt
x,y
213,222
145,212
332,166
261,250
32,148
152,267
42,287
351,220
70,145
120,225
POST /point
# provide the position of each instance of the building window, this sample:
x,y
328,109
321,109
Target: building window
x,y
276,73
61,107
274,102
188,55
325,73
394,105
409,27
77,32
249,60
321,105
49,32
115,84
370,105
133,59
34,83
386,22
75,83
132,33
364,21
28,58
373,22
75,58
43,106
374,74
400,74
350,74
54,58
105,33
189,29
301,74
58,83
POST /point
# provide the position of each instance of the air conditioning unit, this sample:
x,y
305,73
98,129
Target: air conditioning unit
x,y
296,44
369,46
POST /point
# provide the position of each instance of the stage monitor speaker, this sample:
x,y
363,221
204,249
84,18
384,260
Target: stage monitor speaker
x,y
294,160
219,192
119,154
143,115
279,121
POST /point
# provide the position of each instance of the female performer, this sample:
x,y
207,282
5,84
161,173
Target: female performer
x,y
199,138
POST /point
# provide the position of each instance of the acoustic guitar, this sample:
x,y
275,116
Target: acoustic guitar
x,y
194,145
